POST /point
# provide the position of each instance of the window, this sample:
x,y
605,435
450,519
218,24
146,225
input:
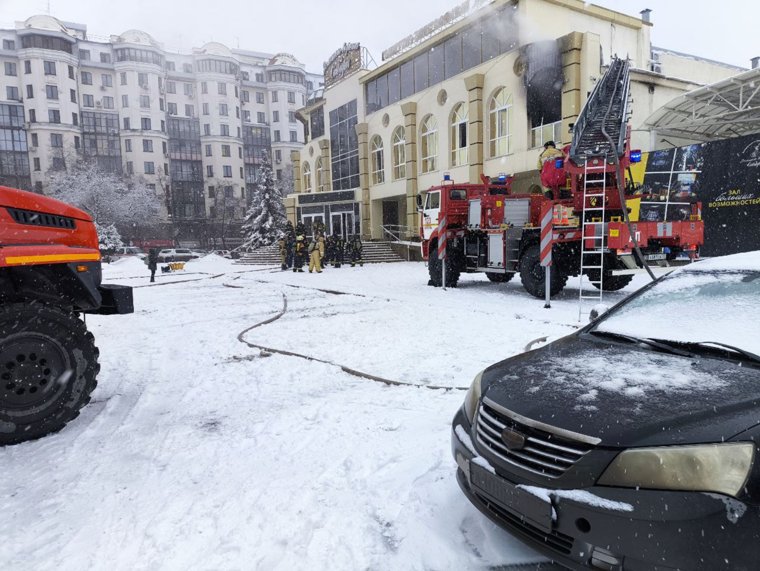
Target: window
x,y
145,123
28,66
86,78
147,145
32,116
294,136
189,110
259,97
56,140
130,168
75,119
246,96
88,101
209,171
278,156
499,124
221,88
163,147
36,163
125,101
228,191
126,124
145,102
211,192
227,171
187,67
319,172
276,136
306,177
344,146
171,87
224,130
547,132
9,45
259,77
206,129
275,116
123,77
149,167
84,55
208,150
58,164
172,108
188,89
237,112
105,58
226,151
429,144
247,116
223,108
274,97
35,140
261,117
51,91
142,79
163,126
54,116
398,148
10,68
376,155
76,142
107,102
106,79
291,116
127,145
204,87
71,72
73,95
12,93
291,96
458,135
205,109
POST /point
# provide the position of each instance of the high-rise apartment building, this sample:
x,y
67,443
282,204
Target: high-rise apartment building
x,y
193,126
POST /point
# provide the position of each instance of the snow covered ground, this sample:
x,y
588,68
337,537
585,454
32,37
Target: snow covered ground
x,y
202,452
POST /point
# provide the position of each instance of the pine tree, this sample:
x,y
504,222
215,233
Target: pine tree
x,y
265,219
108,238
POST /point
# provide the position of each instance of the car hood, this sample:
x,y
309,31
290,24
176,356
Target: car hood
x,y
626,395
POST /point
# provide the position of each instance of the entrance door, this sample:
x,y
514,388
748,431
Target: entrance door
x,y
390,213
342,223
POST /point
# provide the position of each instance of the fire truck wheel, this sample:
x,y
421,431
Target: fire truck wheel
x,y
533,274
499,278
610,282
434,269
48,369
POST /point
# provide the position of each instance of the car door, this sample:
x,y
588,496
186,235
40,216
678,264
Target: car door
x,y
430,212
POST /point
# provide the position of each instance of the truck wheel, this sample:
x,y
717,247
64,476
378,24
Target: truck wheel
x,y
499,278
434,270
48,368
533,274
610,282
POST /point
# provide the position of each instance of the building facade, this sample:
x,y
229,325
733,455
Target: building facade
x,y
477,91
194,126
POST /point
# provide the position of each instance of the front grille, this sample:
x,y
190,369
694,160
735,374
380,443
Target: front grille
x,y
548,451
31,218
554,539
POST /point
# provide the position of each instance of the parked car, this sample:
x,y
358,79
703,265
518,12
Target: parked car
x,y
128,251
223,253
177,255
633,443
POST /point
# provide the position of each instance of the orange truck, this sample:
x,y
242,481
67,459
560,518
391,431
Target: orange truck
x,y
50,276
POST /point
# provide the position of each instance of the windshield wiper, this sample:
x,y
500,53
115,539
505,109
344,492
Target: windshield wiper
x,y
748,355
654,343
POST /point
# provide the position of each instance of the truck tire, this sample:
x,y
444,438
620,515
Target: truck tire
x,y
434,270
48,369
610,282
533,274
499,278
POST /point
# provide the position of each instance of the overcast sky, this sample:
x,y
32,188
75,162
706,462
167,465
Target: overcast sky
x,y
312,30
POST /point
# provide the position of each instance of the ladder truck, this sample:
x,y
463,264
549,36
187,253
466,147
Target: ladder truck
x,y
590,223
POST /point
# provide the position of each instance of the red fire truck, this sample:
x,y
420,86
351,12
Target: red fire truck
x,y
591,222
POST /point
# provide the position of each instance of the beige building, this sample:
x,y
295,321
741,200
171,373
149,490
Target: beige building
x,y
474,92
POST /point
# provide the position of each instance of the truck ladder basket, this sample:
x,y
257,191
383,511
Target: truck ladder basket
x,y
593,230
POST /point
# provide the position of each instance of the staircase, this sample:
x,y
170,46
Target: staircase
x,y
373,253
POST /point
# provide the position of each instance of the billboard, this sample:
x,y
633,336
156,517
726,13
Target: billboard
x,y
723,175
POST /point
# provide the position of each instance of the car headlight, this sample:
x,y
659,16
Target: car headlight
x,y
721,468
472,397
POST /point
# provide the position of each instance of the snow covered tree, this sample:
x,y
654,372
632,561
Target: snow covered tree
x,y
107,197
108,238
265,219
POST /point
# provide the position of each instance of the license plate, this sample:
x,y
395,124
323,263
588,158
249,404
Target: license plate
x,y
653,257
538,512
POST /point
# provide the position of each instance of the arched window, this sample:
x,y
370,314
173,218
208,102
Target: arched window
x,y
378,162
429,144
319,173
306,177
458,138
500,123
398,145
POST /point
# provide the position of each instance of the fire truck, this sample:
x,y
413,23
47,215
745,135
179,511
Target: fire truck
x,y
590,224
50,276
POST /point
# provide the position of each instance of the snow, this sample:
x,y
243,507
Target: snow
x,y
579,496
744,261
199,452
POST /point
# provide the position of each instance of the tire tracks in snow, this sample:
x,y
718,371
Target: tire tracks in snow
x,y
344,368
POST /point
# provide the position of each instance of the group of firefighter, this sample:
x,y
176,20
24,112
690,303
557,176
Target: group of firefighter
x,y
297,249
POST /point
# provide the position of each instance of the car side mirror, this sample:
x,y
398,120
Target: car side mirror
x,y
419,202
597,311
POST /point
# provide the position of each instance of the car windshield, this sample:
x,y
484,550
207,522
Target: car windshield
x,y
183,251
678,307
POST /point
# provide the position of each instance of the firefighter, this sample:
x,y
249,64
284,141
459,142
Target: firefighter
x,y
290,243
340,244
355,250
282,245
550,153
316,253
299,252
329,251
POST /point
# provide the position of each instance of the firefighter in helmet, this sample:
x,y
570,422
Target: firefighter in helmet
x,y
299,253
290,243
355,249
340,245
282,246
316,253
548,173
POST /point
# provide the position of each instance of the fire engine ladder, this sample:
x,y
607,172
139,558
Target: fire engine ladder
x,y
593,231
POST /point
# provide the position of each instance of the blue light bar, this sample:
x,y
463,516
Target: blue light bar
x,y
502,177
559,163
636,156
446,176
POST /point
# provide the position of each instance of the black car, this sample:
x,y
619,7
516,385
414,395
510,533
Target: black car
x,y
633,443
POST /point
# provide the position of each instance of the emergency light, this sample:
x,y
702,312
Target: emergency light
x,y
446,176
559,163
502,177
636,156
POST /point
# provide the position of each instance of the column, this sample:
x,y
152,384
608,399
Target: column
x,y
571,47
474,85
295,159
409,110
362,133
324,148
